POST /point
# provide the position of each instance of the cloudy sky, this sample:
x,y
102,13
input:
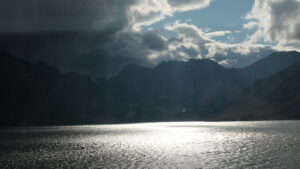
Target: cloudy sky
x,y
99,37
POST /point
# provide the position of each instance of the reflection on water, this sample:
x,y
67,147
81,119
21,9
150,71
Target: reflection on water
x,y
154,145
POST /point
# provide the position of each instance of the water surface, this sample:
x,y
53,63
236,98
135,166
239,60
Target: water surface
x,y
272,144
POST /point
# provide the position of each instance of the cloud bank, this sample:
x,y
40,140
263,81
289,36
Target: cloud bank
x,y
193,42
100,37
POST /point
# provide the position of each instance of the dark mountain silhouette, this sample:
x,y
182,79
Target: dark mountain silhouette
x,y
174,90
36,94
276,97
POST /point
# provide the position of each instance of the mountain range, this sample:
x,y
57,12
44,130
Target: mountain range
x,y
37,94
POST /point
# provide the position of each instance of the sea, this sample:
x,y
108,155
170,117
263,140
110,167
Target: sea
x,y
195,145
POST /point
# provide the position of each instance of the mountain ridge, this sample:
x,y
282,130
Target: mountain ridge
x,y
37,94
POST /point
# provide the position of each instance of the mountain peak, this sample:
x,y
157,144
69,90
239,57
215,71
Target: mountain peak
x,y
201,63
132,68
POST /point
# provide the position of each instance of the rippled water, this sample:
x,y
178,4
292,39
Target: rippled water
x,y
154,145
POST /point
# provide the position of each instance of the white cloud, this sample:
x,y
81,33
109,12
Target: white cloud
x,y
187,5
251,25
275,21
218,33
147,12
193,42
191,37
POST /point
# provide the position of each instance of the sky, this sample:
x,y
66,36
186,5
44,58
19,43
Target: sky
x,y
219,16
100,37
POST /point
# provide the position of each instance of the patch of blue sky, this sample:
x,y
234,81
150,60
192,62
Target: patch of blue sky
x,y
221,15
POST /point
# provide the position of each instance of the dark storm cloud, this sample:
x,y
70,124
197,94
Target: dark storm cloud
x,y
93,37
154,41
100,37
65,50
62,15
74,35
93,53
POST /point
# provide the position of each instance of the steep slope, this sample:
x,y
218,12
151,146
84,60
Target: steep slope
x,y
269,65
277,97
